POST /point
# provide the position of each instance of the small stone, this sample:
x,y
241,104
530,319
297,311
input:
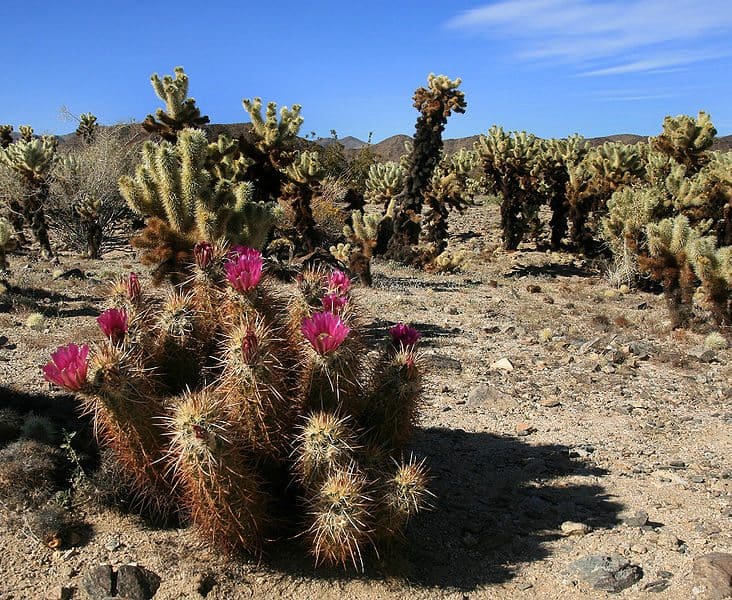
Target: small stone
x,y
533,289
608,573
713,572
670,542
60,593
113,544
97,582
659,585
502,364
638,519
136,583
524,429
697,479
549,402
573,528
707,356
525,586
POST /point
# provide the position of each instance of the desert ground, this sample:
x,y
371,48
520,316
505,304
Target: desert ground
x,y
562,419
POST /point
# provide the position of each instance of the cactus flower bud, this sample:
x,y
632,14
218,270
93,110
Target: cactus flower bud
x,y
68,367
203,253
132,288
325,331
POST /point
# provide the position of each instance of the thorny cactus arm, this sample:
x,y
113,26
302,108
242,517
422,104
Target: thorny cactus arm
x,y
180,111
384,182
26,132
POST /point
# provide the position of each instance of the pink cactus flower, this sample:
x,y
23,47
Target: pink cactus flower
x,y
244,268
334,303
325,331
132,288
113,323
68,367
203,253
339,283
404,335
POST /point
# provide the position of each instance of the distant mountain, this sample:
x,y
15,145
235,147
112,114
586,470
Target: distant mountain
x,y
392,147
349,142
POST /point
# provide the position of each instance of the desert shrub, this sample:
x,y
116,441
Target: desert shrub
x,y
85,209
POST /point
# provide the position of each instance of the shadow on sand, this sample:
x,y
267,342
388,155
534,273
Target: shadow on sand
x,y
498,503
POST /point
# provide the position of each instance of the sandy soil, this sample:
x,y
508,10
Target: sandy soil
x,y
604,413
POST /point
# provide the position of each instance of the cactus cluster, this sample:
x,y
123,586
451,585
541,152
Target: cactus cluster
x,y
250,413
675,224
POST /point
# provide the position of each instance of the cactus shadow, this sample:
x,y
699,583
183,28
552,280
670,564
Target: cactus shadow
x,y
47,302
377,331
552,270
499,503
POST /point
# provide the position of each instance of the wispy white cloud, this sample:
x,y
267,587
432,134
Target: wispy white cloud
x,y
607,37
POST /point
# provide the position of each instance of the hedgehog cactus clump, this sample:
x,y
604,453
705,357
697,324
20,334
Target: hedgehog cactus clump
x,y
248,413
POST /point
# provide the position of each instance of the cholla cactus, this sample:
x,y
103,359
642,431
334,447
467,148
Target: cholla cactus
x,y
558,158
510,162
88,127
8,242
435,103
341,252
304,174
188,203
667,262
6,136
180,111
285,418
686,140
604,170
448,191
31,160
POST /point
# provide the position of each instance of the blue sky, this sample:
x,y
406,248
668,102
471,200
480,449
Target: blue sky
x,y
552,67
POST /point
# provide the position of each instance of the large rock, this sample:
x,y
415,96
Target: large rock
x,y
713,573
607,573
136,583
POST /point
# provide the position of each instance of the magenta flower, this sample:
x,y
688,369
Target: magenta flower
x,y
203,253
68,366
244,268
113,323
132,288
339,283
325,331
334,303
404,335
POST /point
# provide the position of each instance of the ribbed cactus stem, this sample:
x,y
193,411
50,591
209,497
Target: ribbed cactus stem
x,y
220,489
